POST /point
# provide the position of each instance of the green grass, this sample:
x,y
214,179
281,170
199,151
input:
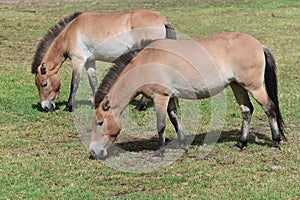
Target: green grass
x,y
41,156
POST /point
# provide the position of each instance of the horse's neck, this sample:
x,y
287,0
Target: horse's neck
x,y
55,55
121,97
119,103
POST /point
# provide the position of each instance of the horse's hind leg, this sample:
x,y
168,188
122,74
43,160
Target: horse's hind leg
x,y
142,105
246,107
268,106
172,112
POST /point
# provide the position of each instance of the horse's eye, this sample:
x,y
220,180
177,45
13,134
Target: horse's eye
x,y
99,123
45,84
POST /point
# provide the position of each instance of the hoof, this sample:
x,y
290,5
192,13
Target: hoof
x,y
68,109
275,148
159,153
237,149
275,145
156,159
240,146
140,108
92,99
183,149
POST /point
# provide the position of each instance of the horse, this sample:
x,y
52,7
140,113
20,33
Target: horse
x,y
167,70
85,38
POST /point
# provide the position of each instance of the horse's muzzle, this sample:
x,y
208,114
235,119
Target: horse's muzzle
x,y
48,106
101,155
97,152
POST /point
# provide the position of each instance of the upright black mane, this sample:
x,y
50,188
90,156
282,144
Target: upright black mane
x,y
112,75
114,72
48,39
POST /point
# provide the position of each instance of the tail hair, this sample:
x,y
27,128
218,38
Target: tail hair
x,y
170,31
271,87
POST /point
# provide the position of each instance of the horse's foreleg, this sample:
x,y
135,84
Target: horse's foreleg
x,y
246,106
161,103
172,112
161,124
76,74
91,72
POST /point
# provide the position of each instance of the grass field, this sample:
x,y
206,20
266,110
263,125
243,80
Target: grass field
x,y
42,157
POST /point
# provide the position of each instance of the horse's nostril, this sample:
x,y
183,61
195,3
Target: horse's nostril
x,y
102,154
49,108
93,154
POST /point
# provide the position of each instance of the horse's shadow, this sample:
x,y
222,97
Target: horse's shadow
x,y
78,103
151,144
38,107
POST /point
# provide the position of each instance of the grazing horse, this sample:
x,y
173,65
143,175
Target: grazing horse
x,y
85,38
169,69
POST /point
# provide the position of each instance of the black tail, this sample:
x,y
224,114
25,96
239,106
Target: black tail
x,y
271,86
170,31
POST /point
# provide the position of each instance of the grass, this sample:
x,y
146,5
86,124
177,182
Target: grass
x,y
41,154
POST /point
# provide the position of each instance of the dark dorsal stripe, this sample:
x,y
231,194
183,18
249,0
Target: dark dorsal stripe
x,y
112,75
48,39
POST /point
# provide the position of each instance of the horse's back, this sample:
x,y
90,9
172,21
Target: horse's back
x,y
107,36
208,65
113,23
231,45
184,66
147,18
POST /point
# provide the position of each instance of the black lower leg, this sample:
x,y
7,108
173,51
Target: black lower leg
x,y
242,143
73,89
174,120
69,106
276,136
275,144
161,126
142,105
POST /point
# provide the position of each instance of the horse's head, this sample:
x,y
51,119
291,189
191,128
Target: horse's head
x,y
48,87
105,129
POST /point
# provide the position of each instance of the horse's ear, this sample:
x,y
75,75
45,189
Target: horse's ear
x,y
43,69
105,104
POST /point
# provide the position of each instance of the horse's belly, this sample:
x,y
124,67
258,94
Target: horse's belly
x,y
112,46
110,49
200,90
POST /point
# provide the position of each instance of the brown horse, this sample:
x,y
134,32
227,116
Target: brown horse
x,y
169,69
85,38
